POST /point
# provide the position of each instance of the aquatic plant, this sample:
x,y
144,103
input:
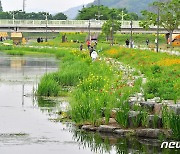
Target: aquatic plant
x,y
48,86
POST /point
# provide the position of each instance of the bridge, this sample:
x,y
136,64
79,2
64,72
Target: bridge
x,y
70,26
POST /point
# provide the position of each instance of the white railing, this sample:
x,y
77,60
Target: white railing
x,y
66,23
81,23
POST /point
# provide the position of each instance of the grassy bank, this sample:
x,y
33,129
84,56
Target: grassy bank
x,y
162,71
139,39
97,85
95,88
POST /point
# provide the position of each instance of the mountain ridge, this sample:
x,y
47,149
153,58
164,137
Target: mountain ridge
x,y
135,6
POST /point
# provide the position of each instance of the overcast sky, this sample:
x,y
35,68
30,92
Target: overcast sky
x,y
51,6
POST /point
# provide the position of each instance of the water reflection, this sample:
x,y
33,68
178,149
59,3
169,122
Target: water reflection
x,y
106,143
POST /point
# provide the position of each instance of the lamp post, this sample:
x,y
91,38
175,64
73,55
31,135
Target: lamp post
x,y
131,41
89,29
46,25
24,5
13,18
157,39
99,13
112,33
122,16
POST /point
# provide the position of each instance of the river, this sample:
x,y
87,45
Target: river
x,y
26,125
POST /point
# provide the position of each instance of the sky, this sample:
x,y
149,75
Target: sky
x,y
52,6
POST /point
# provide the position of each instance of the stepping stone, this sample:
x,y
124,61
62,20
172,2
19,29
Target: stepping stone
x,y
89,128
124,132
148,105
106,128
149,133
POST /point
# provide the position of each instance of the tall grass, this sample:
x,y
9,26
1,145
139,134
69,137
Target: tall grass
x,y
48,86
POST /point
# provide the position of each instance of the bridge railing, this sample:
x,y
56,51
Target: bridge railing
x,y
51,22
82,23
65,23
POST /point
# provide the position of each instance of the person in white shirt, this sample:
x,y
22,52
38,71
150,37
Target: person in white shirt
x,y
94,55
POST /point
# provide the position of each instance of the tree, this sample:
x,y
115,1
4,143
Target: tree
x,y
106,13
5,15
110,27
60,16
1,9
169,16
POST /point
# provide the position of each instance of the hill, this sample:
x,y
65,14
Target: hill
x,y
73,12
135,6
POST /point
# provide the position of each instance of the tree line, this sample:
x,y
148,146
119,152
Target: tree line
x,y
105,13
32,15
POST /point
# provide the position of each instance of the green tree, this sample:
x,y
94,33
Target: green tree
x,y
1,9
5,15
169,16
60,16
110,27
106,13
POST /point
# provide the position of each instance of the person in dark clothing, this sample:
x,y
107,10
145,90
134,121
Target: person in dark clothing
x,y
41,39
91,50
38,40
1,39
147,42
81,47
127,43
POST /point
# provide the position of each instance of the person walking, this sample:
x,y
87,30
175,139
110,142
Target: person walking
x,y
156,41
81,47
88,44
91,50
127,43
94,55
147,42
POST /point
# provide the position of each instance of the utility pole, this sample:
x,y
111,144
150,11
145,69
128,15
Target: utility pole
x,y
89,28
131,41
112,32
24,5
13,17
99,11
46,25
123,15
157,39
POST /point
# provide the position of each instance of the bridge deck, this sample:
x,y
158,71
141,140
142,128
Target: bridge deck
x,y
68,25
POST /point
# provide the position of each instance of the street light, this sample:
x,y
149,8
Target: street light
x,y
122,16
99,13
13,16
131,42
157,39
112,33
89,29
46,19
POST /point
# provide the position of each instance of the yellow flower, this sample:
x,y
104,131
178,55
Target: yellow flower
x,y
168,62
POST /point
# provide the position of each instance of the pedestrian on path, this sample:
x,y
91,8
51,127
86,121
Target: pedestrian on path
x,y
147,42
127,43
88,44
81,47
91,50
94,55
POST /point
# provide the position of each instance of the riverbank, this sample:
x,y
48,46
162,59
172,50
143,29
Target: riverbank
x,y
100,87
